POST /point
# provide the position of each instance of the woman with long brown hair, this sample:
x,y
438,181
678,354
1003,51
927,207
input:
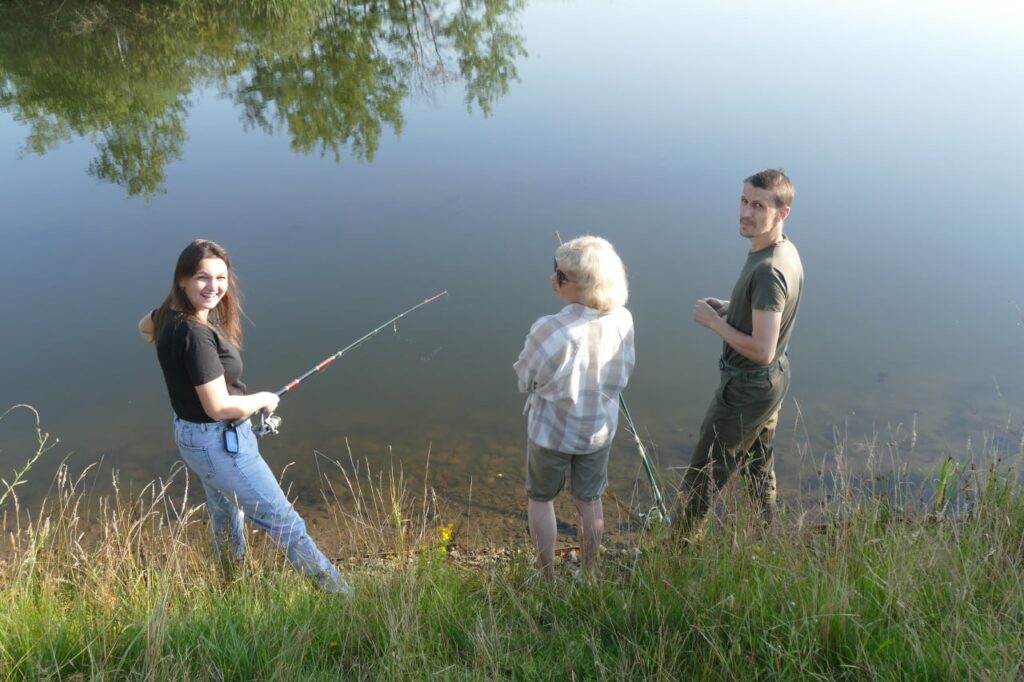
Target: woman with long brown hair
x,y
198,336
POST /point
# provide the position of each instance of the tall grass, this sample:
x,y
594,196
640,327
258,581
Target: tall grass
x,y
129,592
43,445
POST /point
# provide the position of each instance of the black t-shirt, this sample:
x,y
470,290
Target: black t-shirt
x,y
192,354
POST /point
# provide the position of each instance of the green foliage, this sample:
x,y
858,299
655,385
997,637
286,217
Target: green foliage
x,y
921,596
488,47
333,73
338,89
916,600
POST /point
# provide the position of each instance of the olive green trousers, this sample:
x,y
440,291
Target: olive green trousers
x,y
738,430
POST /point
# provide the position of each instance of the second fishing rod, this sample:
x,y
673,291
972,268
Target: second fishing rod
x,y
269,423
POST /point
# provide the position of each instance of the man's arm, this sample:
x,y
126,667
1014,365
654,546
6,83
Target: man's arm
x,y
758,347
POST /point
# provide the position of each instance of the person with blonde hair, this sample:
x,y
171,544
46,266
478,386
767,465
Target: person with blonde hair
x,y
197,335
573,366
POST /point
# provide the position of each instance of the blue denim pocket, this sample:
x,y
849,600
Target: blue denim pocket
x,y
197,459
196,442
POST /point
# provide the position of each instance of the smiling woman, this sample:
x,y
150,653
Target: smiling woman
x,y
207,287
197,335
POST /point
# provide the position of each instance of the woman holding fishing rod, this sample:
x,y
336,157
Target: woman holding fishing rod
x,y
198,335
573,367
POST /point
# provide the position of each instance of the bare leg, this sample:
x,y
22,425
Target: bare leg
x,y
592,526
541,519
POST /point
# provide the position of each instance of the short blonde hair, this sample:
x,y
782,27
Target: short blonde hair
x,y
598,272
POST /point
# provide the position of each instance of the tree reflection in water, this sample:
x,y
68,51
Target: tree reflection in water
x,y
332,73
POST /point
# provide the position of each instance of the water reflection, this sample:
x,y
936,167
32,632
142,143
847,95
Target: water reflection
x,y
332,73
912,278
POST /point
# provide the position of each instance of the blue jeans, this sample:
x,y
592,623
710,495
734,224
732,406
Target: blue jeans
x,y
240,485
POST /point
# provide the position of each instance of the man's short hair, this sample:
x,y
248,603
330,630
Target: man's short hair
x,y
775,181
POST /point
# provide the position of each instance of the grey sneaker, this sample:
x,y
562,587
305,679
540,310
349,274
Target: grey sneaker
x,y
336,585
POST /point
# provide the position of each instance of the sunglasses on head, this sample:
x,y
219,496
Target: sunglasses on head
x,y
560,276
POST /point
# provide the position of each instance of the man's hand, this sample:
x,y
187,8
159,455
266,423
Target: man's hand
x,y
718,305
705,314
758,347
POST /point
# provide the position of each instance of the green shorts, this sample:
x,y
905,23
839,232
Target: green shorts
x,y
546,469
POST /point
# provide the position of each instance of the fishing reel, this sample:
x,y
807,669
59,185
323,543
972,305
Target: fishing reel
x,y
654,516
269,424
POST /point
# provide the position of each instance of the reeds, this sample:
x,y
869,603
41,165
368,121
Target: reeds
x,y
43,445
126,589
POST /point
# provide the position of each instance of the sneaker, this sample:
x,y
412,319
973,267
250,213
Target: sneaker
x,y
336,585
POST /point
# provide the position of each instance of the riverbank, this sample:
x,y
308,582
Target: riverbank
x,y
867,591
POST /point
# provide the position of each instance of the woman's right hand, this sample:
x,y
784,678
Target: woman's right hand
x,y
219,406
268,401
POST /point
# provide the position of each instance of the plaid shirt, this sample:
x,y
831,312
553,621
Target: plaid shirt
x,y
573,366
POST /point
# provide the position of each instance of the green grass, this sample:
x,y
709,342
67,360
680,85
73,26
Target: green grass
x,y
128,592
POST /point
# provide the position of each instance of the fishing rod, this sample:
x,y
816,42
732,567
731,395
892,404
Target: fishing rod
x,y
270,423
659,512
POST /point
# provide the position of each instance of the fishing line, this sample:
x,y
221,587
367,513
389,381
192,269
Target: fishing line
x,y
270,423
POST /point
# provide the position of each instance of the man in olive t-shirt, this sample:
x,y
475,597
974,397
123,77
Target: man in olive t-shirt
x,y
755,325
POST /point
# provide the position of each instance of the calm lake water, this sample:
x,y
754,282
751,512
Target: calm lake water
x,y
357,164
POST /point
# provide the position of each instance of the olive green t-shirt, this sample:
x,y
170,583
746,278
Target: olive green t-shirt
x,y
772,279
